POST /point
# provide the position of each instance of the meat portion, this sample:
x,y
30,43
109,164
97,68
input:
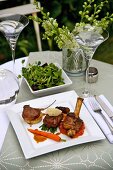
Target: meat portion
x,y
31,115
52,121
63,109
72,124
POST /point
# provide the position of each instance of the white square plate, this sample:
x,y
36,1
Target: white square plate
x,y
30,147
55,89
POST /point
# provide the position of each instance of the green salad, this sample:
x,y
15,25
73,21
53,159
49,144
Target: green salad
x,y
42,76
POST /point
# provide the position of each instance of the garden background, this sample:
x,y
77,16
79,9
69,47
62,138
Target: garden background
x,y
66,13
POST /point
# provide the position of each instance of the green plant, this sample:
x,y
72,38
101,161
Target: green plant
x,y
62,35
23,46
90,15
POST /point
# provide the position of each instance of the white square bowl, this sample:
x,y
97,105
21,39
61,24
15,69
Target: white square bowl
x,y
55,89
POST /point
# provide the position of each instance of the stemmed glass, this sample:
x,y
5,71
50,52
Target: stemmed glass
x,y
89,40
11,26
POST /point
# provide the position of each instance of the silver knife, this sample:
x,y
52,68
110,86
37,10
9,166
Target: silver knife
x,y
105,107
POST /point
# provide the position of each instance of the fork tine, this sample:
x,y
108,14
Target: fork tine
x,y
94,104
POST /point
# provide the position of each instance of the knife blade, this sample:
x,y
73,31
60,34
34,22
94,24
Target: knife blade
x,y
104,106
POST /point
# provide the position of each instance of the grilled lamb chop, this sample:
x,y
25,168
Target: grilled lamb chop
x,y
72,124
52,121
31,115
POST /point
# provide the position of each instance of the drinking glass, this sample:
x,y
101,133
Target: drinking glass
x,y
11,26
89,40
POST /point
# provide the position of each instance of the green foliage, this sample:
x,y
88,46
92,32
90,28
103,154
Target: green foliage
x,y
4,49
65,11
105,51
89,20
62,35
91,15
23,46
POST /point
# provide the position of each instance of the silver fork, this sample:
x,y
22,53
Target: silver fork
x,y
96,108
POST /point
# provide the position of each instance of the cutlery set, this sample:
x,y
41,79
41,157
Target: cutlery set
x,y
97,105
104,106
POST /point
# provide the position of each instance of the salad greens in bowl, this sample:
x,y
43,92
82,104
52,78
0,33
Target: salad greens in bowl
x,y
45,78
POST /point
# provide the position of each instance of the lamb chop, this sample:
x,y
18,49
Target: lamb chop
x,y
72,122
53,117
31,115
52,121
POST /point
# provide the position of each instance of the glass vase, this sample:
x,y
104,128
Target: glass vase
x,y
73,61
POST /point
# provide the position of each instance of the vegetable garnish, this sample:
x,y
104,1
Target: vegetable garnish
x,y
48,135
51,129
42,76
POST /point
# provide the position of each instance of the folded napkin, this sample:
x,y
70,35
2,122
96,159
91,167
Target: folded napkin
x,y
4,122
98,118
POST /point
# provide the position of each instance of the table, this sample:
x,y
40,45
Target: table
x,y
94,155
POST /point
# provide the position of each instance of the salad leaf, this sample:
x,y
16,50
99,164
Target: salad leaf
x,y
42,76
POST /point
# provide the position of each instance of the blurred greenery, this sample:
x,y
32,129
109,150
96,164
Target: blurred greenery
x,y
66,13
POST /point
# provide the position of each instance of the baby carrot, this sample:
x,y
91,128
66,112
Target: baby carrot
x,y
46,134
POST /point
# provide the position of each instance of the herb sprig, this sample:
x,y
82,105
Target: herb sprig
x,y
45,128
42,76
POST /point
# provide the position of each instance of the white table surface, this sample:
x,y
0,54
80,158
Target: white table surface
x,y
94,156
18,65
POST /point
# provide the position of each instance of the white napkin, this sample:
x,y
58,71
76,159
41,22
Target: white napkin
x,y
4,122
98,118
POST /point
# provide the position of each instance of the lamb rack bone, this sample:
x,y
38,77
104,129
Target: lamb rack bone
x,y
78,106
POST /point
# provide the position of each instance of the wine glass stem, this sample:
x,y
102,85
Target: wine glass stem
x,y
87,73
13,58
87,90
13,46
